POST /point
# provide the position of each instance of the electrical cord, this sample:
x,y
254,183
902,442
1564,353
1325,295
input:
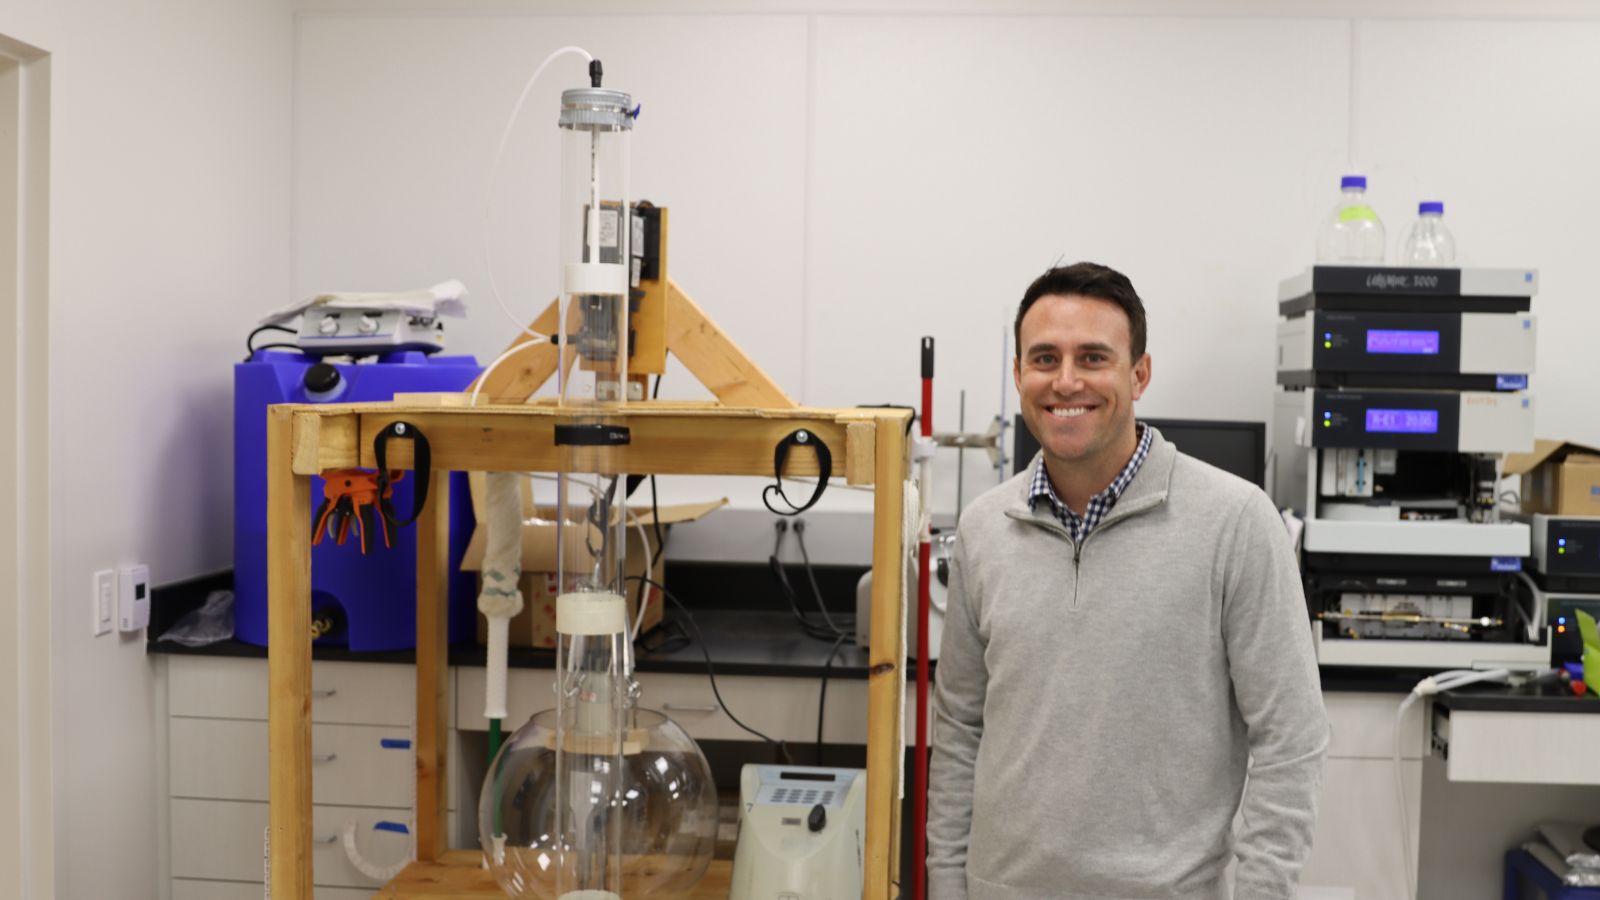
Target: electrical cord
x,y
811,575
275,346
711,672
249,342
822,698
808,627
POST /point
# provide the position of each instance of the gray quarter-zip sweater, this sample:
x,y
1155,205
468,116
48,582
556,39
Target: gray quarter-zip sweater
x,y
1098,706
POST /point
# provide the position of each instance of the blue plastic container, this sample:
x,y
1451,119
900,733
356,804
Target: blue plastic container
x,y
375,594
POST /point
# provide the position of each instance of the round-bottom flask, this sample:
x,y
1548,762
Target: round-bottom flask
x,y
666,798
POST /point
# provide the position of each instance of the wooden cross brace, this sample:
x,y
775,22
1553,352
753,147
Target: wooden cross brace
x,y
667,320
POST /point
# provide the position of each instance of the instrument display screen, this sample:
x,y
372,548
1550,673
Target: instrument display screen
x,y
1412,343
1403,421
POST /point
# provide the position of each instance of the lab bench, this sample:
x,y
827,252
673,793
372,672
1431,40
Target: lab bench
x,y
362,711
770,677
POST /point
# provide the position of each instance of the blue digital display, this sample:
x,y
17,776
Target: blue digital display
x,y
1403,421
1414,343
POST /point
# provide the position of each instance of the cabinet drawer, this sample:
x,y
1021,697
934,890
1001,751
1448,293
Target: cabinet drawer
x,y
782,708
222,840
352,693
193,889
226,759
1518,747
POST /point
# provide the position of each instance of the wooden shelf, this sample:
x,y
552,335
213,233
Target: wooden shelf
x,y
459,875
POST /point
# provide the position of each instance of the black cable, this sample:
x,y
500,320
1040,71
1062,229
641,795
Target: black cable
x,y
822,699
655,520
711,671
811,629
274,347
250,340
776,567
655,510
816,592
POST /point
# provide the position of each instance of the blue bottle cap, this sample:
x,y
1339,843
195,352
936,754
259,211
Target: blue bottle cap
x,y
1430,206
1353,181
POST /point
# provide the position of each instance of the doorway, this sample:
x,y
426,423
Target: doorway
x,y
26,829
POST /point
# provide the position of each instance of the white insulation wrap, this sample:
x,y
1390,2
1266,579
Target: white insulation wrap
x,y
591,613
501,596
597,278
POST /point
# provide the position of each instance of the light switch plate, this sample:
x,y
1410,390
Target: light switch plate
x,y
103,601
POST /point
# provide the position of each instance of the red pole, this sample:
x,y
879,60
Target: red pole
x,y
919,837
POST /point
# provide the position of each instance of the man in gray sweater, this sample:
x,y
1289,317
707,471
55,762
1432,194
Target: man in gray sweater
x,y
1125,642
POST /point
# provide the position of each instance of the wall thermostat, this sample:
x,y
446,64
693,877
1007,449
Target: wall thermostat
x,y
133,597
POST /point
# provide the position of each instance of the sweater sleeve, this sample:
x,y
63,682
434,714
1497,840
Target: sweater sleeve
x,y
961,684
1275,683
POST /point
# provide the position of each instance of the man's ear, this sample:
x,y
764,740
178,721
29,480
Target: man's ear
x,y
1141,376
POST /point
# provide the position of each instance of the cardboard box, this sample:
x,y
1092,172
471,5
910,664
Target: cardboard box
x,y
1560,478
535,626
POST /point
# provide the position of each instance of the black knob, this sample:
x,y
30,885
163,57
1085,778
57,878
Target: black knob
x,y
321,378
818,819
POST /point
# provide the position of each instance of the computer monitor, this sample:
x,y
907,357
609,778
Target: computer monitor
x,y
1237,447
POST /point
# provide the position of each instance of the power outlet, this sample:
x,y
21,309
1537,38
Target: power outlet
x,y
103,601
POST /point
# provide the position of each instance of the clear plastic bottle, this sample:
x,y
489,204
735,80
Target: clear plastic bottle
x,y
1429,243
1352,235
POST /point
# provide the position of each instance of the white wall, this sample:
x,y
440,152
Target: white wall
x,y
169,232
843,182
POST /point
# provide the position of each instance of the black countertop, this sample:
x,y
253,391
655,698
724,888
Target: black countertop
x,y
764,640
1543,697
740,642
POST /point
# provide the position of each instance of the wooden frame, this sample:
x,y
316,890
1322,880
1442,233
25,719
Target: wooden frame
x,y
869,446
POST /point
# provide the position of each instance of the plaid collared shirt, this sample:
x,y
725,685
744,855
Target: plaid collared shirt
x,y
1100,503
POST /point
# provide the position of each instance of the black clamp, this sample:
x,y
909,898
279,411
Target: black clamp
x,y
422,463
801,438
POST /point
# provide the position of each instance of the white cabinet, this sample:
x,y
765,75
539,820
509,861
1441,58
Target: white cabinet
x,y
1357,841
217,775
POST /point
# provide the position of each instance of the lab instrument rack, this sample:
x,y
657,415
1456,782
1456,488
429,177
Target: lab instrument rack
x,y
668,438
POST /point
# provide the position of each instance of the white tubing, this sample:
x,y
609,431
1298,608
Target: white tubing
x,y
482,379
369,868
494,170
1427,687
494,691
500,598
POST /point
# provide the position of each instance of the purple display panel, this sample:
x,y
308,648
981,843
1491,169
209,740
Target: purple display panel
x,y
1417,343
1403,421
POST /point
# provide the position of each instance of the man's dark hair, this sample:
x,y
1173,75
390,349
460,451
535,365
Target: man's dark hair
x,y
1088,279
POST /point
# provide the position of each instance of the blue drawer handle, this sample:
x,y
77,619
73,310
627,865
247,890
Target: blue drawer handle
x,y
394,744
395,827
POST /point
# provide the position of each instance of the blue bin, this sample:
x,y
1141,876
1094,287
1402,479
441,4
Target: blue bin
x,y
372,596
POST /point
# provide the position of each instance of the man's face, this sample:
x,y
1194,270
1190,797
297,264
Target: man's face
x,y
1077,378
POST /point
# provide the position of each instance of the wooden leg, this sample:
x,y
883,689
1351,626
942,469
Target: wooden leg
x,y
886,681
288,663
433,646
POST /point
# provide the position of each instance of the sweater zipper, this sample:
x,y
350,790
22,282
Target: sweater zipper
x,y
1077,554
